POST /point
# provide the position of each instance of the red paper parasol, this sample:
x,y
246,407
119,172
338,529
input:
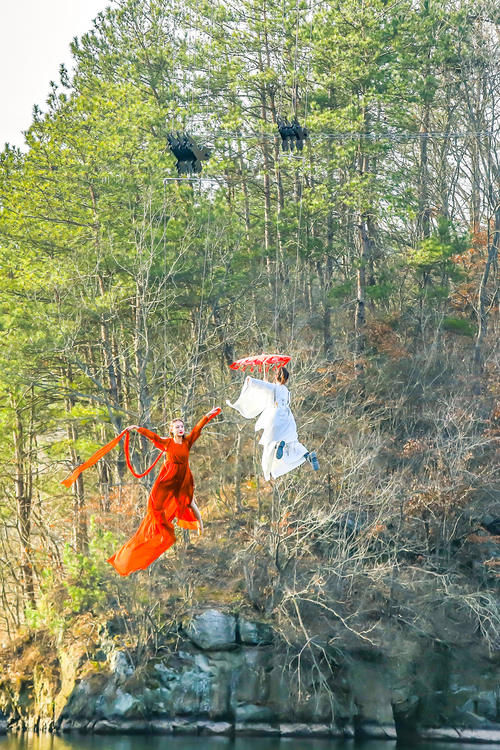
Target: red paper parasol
x,y
269,361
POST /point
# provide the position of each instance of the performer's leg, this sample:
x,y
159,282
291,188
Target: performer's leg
x,y
197,513
313,459
268,453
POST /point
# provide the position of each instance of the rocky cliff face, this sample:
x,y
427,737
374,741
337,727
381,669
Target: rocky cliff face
x,y
230,675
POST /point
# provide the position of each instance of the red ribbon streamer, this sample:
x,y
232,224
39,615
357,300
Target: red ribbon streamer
x,y
102,452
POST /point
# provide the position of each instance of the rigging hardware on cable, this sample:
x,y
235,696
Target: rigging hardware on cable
x,y
292,134
188,153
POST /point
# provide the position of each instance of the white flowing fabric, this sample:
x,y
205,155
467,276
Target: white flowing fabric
x,y
272,402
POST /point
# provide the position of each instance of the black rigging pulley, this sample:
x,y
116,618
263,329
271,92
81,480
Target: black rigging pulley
x,y
292,134
187,152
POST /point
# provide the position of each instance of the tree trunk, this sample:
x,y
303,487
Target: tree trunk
x,y
80,530
360,314
363,263
24,503
327,284
482,313
141,353
423,182
223,329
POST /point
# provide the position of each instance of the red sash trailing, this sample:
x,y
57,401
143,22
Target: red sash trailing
x,y
102,452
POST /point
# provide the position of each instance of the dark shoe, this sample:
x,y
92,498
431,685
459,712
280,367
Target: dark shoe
x,y
313,460
279,449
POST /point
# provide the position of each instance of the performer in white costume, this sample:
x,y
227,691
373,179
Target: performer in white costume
x,y
282,451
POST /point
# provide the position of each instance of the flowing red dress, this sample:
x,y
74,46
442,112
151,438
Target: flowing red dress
x,y
170,498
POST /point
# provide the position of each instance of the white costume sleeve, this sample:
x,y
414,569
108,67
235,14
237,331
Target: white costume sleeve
x,y
256,395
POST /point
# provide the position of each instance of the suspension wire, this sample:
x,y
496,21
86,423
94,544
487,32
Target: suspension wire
x,y
276,311
200,315
278,307
202,296
165,337
189,179
276,280
282,57
295,95
301,188
397,137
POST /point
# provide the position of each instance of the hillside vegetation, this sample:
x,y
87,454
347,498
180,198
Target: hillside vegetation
x,y
370,257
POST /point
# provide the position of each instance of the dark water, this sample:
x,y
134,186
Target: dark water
x,y
158,742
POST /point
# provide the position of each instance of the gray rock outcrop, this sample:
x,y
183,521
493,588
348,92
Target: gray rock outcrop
x,y
212,631
230,676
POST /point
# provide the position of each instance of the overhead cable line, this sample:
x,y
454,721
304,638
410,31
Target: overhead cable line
x,y
373,136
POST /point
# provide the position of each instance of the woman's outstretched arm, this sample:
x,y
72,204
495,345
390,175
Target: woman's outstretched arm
x,y
158,441
256,395
196,431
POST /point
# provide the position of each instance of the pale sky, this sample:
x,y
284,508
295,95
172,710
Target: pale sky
x,y
34,40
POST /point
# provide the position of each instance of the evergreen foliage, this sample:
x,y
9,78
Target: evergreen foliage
x,y
124,295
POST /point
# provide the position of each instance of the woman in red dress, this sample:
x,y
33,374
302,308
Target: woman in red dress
x,y
171,496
